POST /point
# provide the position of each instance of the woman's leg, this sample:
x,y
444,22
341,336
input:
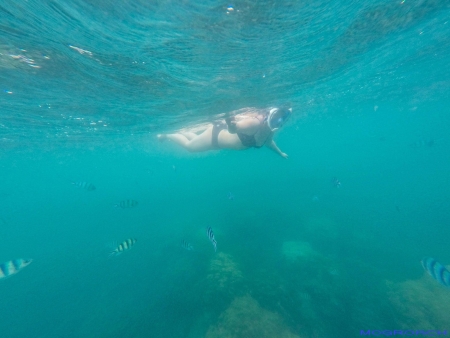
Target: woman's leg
x,y
189,135
198,143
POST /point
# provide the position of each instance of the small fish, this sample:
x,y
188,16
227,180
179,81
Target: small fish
x,y
81,51
12,267
187,246
230,196
210,235
125,204
125,245
304,296
422,143
333,272
336,183
84,185
436,270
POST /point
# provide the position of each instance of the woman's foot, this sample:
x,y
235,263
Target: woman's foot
x,y
161,137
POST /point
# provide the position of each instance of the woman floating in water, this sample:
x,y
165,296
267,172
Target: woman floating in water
x,y
250,127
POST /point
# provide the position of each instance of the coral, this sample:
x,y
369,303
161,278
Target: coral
x,y
292,250
246,318
224,277
421,304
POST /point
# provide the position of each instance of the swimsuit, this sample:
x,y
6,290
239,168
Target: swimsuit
x,y
217,127
250,140
247,140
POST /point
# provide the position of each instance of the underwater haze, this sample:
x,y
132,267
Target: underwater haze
x,y
326,243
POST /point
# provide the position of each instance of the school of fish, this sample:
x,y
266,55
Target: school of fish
x,y
9,268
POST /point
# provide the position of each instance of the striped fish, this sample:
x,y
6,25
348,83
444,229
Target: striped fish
x,y
125,204
125,245
84,185
210,235
12,267
187,246
436,270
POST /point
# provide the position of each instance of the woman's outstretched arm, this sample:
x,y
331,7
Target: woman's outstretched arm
x,y
272,145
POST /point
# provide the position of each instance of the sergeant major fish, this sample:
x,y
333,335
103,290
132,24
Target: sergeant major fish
x,y
436,270
125,245
84,185
187,246
210,235
125,204
12,267
335,182
422,143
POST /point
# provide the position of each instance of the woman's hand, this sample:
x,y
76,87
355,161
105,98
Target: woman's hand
x,y
231,123
272,145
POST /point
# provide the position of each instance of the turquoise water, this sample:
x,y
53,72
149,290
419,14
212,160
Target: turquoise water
x,y
86,87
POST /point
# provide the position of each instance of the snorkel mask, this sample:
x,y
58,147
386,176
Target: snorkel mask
x,y
277,117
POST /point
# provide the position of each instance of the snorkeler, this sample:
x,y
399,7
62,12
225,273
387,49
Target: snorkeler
x,y
250,128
